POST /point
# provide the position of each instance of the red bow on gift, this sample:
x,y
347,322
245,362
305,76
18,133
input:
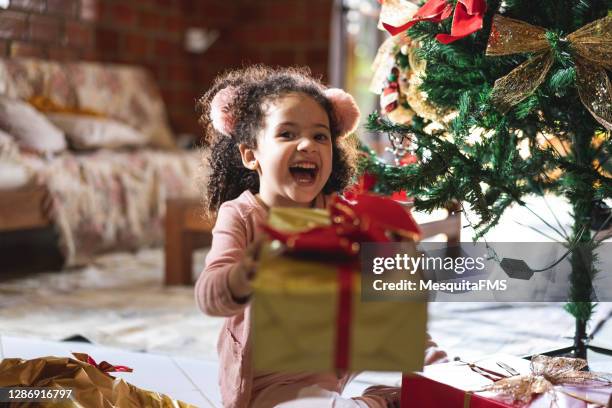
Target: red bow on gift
x,y
467,18
366,218
104,366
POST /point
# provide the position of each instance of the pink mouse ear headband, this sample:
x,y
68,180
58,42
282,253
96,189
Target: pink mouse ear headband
x,y
345,109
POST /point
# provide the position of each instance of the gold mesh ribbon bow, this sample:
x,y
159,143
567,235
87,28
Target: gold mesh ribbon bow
x,y
546,372
591,48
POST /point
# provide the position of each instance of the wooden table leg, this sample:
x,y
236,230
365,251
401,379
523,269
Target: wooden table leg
x,y
178,246
186,230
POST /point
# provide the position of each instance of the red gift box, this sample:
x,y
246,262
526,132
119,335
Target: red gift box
x,y
460,385
420,392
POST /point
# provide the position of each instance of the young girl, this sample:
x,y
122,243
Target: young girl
x,y
275,138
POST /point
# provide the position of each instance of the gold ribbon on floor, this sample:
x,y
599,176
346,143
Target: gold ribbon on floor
x,y
546,373
591,48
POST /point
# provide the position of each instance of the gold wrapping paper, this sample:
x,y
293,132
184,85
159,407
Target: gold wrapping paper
x,y
91,387
417,99
385,61
591,48
396,13
294,312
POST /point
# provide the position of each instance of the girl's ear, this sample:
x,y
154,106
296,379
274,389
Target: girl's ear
x,y
248,157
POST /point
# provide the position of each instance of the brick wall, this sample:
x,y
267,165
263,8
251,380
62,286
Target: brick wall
x,y
56,29
151,32
281,32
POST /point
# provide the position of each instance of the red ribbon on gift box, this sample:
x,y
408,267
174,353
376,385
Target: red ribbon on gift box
x,y
104,366
420,392
345,312
365,218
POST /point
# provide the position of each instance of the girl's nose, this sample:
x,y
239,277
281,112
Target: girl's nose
x,y
306,144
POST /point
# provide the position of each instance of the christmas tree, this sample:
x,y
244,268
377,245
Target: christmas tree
x,y
510,98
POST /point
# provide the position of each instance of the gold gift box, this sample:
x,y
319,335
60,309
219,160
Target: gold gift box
x,y
295,307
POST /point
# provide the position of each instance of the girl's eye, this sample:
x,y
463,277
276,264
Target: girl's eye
x,y
286,134
321,137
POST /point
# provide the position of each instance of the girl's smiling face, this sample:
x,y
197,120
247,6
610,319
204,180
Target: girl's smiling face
x,y
294,151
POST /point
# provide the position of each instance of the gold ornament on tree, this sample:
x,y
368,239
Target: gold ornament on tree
x,y
395,12
416,98
591,49
409,80
385,61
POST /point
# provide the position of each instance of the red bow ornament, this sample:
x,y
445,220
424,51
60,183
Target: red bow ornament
x,y
467,18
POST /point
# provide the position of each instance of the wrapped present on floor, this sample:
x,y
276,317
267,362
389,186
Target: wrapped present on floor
x,y
89,384
307,312
505,382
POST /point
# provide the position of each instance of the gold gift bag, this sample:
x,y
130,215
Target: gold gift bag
x,y
90,384
296,319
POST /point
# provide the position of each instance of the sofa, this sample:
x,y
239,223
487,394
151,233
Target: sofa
x,y
86,147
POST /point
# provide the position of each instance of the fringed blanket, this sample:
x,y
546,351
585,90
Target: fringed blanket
x,y
114,200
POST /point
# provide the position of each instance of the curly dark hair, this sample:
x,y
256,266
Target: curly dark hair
x,y
227,177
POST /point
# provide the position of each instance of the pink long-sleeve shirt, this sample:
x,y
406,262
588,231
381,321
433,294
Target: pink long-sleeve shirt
x,y
237,225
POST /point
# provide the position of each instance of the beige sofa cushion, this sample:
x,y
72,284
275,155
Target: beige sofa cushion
x,y
30,128
126,93
13,173
89,132
122,92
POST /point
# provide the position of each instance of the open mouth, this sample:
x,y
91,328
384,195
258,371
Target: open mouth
x,y
304,173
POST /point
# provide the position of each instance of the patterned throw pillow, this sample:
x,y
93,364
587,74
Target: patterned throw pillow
x,y
90,132
31,129
126,93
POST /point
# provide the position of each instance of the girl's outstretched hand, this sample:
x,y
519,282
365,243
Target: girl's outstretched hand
x,y
242,274
391,395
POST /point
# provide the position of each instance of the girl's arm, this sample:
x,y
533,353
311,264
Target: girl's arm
x,y
212,290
